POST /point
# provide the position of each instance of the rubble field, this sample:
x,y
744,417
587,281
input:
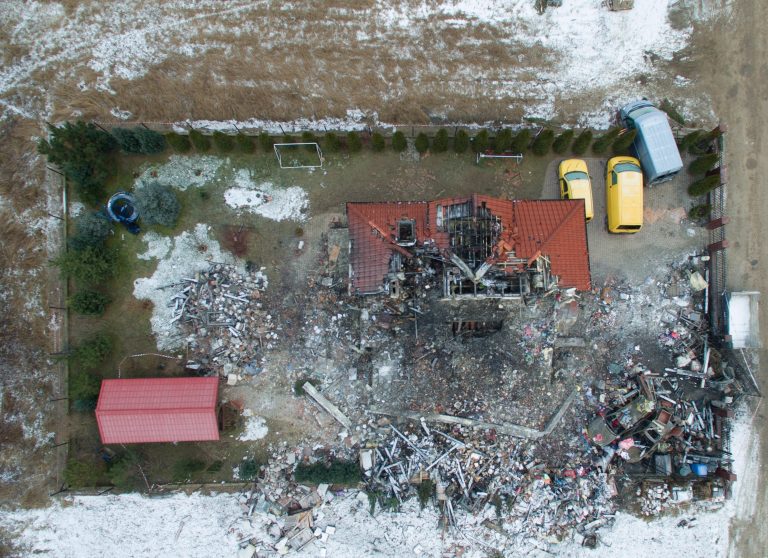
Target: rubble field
x,y
527,420
530,420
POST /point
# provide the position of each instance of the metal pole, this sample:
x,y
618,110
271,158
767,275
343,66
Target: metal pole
x,y
98,126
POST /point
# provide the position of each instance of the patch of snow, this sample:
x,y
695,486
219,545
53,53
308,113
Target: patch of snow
x,y
128,525
355,120
266,199
121,114
76,208
190,252
182,172
157,246
255,428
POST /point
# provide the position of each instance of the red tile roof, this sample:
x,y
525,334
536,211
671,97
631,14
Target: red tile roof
x,y
158,410
557,229
554,228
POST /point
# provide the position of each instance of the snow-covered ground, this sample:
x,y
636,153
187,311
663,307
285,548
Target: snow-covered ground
x,y
266,199
255,427
179,257
210,526
580,51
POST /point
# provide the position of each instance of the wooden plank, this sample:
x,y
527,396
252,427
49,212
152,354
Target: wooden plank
x,y
509,429
332,409
505,428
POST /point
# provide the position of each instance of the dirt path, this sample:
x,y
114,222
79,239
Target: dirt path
x,y
737,79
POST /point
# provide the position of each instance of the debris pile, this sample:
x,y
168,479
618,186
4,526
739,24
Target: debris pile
x,y
668,420
225,325
480,470
280,515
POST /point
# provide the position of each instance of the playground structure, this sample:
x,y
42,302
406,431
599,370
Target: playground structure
x,y
121,208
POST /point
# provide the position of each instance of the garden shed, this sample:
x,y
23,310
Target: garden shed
x,y
132,411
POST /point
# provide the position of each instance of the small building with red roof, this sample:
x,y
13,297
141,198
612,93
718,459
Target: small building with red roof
x,y
485,246
132,411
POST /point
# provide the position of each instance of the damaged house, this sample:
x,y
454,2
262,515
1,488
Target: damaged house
x,y
477,246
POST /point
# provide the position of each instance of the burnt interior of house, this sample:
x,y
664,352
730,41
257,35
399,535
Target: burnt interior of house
x,y
478,261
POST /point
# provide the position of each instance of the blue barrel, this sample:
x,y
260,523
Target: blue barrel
x,y
699,469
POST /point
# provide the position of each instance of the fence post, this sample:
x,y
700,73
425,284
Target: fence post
x,y
717,223
718,246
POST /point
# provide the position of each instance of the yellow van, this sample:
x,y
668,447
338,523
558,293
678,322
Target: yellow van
x,y
624,195
575,184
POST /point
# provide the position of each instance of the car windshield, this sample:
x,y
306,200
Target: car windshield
x,y
626,167
576,175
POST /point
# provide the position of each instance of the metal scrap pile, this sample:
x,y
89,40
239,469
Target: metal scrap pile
x,y
669,422
489,475
225,326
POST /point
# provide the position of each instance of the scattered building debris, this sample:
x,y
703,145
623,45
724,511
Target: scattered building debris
x,y
224,323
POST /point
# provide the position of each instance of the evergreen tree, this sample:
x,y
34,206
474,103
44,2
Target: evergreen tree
x,y
266,142
562,142
223,142
504,140
690,139
422,143
83,386
150,141
331,142
461,141
672,112
582,142
378,143
90,230
440,143
157,205
622,143
309,137
542,143
480,142
704,163
601,144
88,266
80,473
354,143
82,152
399,143
88,303
201,142
704,185
244,143
91,353
520,141
179,143
126,139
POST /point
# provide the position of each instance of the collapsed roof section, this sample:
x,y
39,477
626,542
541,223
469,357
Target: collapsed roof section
x,y
486,246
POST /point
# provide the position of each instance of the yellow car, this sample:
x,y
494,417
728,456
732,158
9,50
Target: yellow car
x,y
575,184
624,195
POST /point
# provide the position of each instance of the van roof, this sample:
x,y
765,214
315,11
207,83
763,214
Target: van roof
x,y
631,210
658,150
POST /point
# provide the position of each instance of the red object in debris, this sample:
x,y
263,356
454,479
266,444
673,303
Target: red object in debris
x,y
158,410
570,473
725,474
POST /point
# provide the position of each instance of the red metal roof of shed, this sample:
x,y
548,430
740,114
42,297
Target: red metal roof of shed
x,y
133,411
555,228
